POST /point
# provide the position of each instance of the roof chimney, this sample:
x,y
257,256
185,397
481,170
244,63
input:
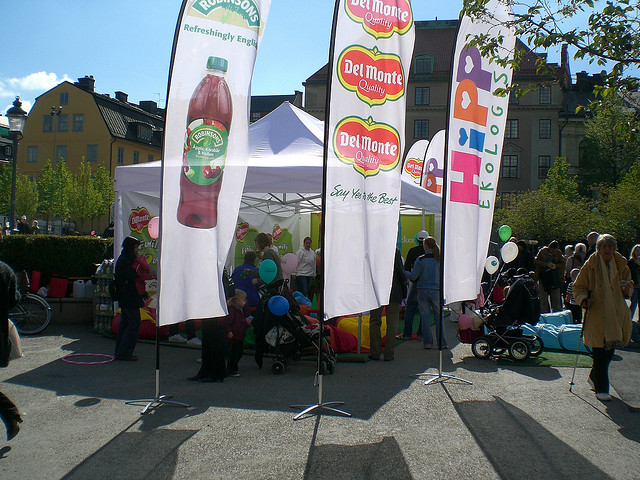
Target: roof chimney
x,y
87,83
123,97
149,106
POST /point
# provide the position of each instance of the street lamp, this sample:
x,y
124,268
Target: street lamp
x,y
17,117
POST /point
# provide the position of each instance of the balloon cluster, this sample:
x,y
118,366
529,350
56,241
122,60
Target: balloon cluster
x,y
508,252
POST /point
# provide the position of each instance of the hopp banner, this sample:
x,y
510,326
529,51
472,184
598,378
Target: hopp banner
x,y
372,55
477,119
205,151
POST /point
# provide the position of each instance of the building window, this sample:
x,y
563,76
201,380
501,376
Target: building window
x,y
511,129
61,153
544,164
32,154
64,98
509,166
120,160
47,123
136,157
63,123
422,95
513,99
92,153
421,129
545,95
508,199
145,133
423,65
150,158
78,122
545,128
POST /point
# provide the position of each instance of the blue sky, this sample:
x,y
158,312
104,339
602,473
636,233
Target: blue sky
x,y
126,45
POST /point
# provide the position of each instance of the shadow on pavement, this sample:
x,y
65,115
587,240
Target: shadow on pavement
x,y
519,447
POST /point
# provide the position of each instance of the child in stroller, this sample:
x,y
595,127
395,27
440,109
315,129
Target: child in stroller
x,y
502,322
290,336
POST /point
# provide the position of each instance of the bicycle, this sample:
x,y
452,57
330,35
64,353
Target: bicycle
x,y
33,313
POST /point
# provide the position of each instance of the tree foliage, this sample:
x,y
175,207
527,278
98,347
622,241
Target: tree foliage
x,y
103,184
612,146
26,196
601,32
84,199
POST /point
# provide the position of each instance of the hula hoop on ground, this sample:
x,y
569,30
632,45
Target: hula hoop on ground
x,y
69,358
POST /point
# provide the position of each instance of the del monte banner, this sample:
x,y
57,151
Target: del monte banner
x,y
205,151
370,66
477,119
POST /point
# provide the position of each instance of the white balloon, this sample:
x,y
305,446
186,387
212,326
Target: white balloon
x,y
509,252
491,265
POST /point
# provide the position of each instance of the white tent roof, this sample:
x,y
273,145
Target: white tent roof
x,y
285,168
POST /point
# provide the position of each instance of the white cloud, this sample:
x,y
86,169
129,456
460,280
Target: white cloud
x,y
29,87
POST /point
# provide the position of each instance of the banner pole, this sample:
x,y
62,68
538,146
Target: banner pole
x,y
321,406
159,400
439,375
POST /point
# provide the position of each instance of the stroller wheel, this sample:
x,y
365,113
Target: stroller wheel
x,y
481,347
277,368
536,346
519,350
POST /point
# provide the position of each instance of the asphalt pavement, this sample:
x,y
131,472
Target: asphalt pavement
x,y
515,422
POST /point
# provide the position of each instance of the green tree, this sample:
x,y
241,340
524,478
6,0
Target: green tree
x,y
554,212
26,196
46,190
621,211
602,32
104,186
84,200
62,187
5,189
612,145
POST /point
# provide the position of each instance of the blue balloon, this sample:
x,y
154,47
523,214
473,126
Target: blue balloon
x,y
278,305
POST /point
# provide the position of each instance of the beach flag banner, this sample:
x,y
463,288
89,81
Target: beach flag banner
x,y
477,120
434,162
414,161
205,151
372,55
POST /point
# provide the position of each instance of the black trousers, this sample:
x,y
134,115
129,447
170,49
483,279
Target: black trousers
x,y
213,349
235,354
600,370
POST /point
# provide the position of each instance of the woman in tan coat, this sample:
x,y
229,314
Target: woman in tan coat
x,y
601,287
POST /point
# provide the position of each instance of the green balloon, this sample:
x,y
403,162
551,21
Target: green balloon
x,y
504,232
268,270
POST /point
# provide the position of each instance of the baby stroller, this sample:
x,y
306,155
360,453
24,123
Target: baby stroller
x,y
290,336
502,323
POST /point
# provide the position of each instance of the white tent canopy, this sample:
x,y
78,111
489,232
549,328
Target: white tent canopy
x,y
284,174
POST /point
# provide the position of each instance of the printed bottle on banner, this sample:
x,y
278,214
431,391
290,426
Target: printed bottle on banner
x,y
205,148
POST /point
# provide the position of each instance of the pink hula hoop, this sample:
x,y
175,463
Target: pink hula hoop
x,y
107,358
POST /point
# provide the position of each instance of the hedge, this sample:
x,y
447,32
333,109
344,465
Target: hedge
x,y
69,256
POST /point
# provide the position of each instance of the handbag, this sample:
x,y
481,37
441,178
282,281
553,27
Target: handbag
x,y
14,342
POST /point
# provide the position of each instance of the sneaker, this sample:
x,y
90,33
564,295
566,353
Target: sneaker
x,y
402,336
234,374
194,341
603,397
177,338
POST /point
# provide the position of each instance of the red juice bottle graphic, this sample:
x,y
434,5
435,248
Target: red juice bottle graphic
x,y
205,148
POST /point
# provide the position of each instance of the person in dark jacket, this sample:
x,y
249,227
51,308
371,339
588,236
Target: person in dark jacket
x,y
412,301
398,293
9,297
235,327
129,300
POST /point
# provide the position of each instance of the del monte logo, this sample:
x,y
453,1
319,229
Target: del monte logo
x,y
381,18
139,219
375,76
241,231
367,145
413,166
225,10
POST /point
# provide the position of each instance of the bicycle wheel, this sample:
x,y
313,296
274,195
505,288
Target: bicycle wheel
x,y
32,315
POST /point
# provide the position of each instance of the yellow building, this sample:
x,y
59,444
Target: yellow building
x,y
71,122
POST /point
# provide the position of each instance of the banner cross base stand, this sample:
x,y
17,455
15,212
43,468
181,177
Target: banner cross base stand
x,y
157,401
320,406
439,375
